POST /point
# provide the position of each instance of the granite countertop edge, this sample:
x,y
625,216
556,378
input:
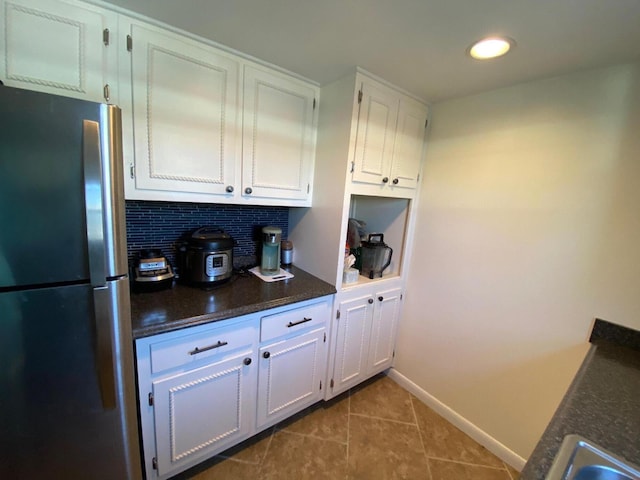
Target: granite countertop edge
x,y
182,306
602,402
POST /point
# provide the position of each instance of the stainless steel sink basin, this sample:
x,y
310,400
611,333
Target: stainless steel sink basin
x,y
600,472
581,459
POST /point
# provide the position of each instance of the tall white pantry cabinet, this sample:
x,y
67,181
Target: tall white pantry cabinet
x,y
371,139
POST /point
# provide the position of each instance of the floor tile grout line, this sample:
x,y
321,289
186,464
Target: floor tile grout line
x,y
509,473
266,451
382,418
470,464
424,450
311,436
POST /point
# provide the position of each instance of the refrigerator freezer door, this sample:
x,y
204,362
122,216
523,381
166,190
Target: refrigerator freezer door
x,y
53,422
43,239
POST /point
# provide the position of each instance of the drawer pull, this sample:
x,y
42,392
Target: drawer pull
x,y
210,347
293,324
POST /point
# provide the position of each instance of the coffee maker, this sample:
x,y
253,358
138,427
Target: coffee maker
x,y
270,264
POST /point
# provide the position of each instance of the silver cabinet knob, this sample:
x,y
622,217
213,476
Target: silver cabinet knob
x,y
248,190
229,189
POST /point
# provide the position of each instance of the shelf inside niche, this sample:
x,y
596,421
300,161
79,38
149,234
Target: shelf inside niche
x,y
388,216
363,281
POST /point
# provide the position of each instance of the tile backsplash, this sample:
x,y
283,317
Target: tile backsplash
x,y
161,224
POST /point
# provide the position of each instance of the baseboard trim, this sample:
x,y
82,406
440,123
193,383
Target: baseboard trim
x,y
479,435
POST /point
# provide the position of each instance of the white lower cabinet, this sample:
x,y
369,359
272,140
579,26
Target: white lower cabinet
x,y
206,388
291,375
364,335
197,391
202,412
293,358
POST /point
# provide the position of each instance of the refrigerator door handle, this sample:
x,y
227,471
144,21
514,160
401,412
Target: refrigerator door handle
x,y
93,195
104,346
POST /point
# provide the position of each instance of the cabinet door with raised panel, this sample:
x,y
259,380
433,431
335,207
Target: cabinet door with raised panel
x,y
408,145
383,330
203,411
351,343
56,47
291,375
376,131
185,108
279,133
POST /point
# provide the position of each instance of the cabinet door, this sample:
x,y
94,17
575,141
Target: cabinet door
x,y
279,131
291,372
375,137
185,107
408,145
352,342
383,330
203,411
55,47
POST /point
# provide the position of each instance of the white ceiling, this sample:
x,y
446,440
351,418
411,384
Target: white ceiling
x,y
416,44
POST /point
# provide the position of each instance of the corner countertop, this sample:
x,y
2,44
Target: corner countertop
x,y
602,403
185,306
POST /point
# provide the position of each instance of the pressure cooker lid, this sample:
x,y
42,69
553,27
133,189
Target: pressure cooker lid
x,y
210,238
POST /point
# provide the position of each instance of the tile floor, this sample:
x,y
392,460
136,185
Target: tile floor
x,y
377,430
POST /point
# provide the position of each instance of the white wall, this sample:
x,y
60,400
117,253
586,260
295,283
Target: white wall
x,y
528,228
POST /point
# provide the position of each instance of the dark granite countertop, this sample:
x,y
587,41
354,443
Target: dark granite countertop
x,y
602,403
184,306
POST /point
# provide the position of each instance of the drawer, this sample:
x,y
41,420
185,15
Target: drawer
x,y
213,344
294,320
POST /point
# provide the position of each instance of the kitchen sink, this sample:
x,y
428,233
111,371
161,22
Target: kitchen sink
x,y
581,459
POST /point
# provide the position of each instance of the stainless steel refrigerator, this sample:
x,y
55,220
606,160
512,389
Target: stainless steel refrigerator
x,y
67,393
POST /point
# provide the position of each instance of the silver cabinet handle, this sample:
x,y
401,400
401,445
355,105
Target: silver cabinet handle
x,y
210,347
248,190
293,324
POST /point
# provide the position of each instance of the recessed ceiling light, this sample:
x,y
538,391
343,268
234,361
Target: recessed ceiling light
x,y
490,47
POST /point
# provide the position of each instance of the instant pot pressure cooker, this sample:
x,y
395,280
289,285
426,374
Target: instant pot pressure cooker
x,y
205,256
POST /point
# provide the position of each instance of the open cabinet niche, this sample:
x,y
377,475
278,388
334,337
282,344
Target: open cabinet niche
x,y
388,216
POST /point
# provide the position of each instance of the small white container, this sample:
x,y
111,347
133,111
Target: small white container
x,y
350,275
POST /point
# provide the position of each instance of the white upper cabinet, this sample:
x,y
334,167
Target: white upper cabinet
x,y
201,123
279,133
409,143
389,141
58,47
376,131
211,126
185,114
